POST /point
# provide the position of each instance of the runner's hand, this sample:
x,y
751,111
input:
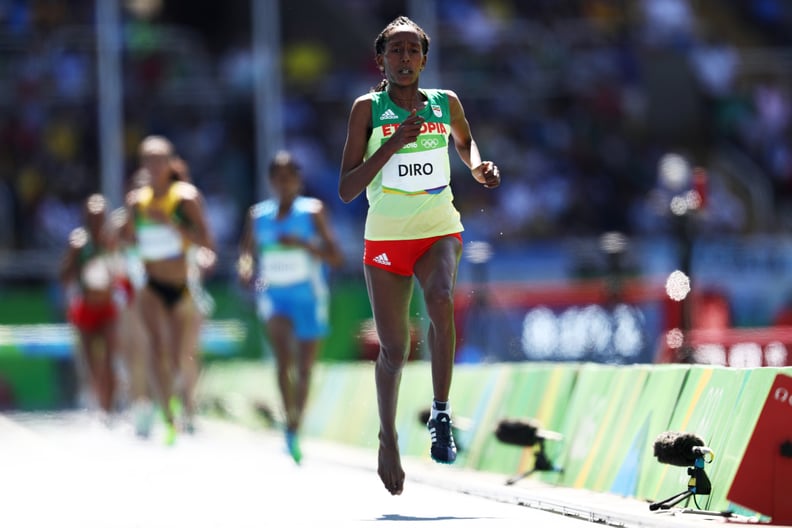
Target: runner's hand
x,y
408,130
487,174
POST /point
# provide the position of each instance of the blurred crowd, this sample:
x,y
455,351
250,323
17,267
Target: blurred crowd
x,y
578,101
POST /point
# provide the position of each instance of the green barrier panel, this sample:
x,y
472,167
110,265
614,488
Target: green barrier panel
x,y
349,307
26,305
660,397
324,397
552,414
337,399
723,432
587,407
8,350
614,442
343,405
538,391
473,390
331,388
30,383
476,395
231,303
705,408
652,411
361,408
415,396
355,382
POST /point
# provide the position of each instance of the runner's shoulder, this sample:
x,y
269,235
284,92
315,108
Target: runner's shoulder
x,y
186,191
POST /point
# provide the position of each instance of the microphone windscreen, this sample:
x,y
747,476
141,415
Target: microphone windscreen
x,y
676,448
518,432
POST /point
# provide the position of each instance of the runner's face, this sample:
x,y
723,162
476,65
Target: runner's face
x,y
403,58
95,222
285,182
158,166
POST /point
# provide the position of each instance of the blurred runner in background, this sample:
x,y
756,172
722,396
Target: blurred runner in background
x,y
166,218
133,339
201,261
92,275
286,243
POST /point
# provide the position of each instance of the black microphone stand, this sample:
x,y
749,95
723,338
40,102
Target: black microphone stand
x,y
698,484
541,463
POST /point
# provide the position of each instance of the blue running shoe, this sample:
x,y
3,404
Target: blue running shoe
x,y
293,445
443,448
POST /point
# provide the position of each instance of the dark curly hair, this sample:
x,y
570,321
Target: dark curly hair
x,y
382,38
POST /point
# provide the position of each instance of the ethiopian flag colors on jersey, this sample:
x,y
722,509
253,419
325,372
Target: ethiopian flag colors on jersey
x,y
411,196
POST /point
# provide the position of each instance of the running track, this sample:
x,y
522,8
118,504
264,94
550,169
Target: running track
x,y
67,470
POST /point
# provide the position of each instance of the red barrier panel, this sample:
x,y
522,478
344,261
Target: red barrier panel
x,y
762,482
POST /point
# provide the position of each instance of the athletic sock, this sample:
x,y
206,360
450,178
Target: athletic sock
x,y
438,407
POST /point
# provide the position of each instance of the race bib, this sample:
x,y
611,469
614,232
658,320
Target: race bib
x,y
96,274
159,242
285,267
417,168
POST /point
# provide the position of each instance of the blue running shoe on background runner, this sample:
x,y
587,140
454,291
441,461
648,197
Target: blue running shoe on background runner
x,y
293,445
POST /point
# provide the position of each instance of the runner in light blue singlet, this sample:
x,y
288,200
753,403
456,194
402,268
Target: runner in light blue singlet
x,y
286,247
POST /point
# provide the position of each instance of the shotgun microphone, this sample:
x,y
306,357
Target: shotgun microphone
x,y
528,432
523,432
679,449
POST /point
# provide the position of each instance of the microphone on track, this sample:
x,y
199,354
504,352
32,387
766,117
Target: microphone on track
x,y
523,432
684,449
528,432
679,449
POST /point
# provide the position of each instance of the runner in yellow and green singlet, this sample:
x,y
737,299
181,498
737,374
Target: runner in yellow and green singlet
x,y
167,219
397,151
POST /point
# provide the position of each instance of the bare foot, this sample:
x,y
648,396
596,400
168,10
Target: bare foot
x,y
390,469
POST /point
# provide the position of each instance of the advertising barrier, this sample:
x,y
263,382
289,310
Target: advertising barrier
x,y
609,417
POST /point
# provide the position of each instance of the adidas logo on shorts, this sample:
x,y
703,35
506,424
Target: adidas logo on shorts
x,y
388,114
383,259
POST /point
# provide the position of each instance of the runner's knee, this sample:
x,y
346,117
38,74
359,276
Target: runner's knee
x,y
392,358
439,298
